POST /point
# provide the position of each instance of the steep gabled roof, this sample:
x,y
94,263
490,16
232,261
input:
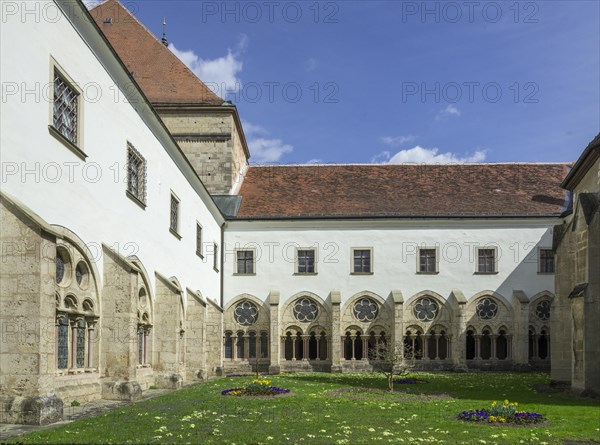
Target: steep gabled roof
x,y
162,76
583,164
366,191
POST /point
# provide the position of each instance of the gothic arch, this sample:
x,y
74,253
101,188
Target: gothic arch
x,y
288,319
384,316
443,316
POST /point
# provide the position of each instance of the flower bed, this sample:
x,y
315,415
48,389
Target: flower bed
x,y
409,381
256,388
505,413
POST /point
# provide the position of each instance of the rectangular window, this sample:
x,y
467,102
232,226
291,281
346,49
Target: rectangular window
x,y
80,355
65,109
428,260
361,261
63,343
199,240
546,263
486,260
216,257
174,214
305,261
245,262
136,174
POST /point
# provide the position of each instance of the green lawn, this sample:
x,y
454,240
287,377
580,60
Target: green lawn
x,y
337,408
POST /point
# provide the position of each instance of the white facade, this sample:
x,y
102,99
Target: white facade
x,y
88,196
394,247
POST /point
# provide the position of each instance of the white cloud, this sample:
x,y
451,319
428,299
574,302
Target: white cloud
x,y
92,3
264,149
315,161
394,141
311,64
221,75
421,155
450,110
268,150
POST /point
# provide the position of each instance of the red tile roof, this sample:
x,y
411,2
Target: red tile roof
x,y
164,79
465,190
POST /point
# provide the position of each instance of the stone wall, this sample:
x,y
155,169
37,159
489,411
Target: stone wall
x,y
195,351
27,317
211,143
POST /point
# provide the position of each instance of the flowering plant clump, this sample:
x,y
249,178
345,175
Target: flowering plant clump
x,y
506,412
409,381
258,387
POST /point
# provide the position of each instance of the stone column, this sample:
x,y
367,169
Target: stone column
x,y
277,346
397,335
521,328
457,349
336,300
425,342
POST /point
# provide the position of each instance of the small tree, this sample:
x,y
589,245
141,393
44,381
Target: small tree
x,y
396,360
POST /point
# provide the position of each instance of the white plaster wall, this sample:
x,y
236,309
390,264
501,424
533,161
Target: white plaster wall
x,y
394,246
96,208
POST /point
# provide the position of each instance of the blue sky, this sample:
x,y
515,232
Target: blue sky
x,y
403,81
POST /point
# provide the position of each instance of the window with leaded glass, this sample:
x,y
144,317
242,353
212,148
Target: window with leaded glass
x,y
199,240
80,354
174,214
546,261
63,343
228,350
362,261
65,109
60,266
486,260
252,345
245,262
305,261
427,260
136,174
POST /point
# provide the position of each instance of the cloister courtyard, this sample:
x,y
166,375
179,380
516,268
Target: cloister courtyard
x,y
341,408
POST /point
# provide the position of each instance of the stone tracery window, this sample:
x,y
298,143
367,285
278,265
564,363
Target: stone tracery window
x,y
426,309
542,310
486,309
245,313
60,266
305,310
365,310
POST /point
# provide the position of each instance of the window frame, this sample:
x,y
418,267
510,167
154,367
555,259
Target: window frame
x,y
539,267
297,261
437,261
75,147
494,249
215,256
140,200
174,231
236,269
199,236
371,262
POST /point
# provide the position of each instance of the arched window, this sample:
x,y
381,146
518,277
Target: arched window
x,y
239,345
543,345
443,346
358,347
501,346
252,345
432,346
63,342
470,346
372,346
485,345
322,346
348,347
418,345
264,344
531,343
299,347
228,345
288,346
312,347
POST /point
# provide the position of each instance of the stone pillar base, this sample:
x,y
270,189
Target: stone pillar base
x,y
274,369
121,390
32,410
336,368
169,381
